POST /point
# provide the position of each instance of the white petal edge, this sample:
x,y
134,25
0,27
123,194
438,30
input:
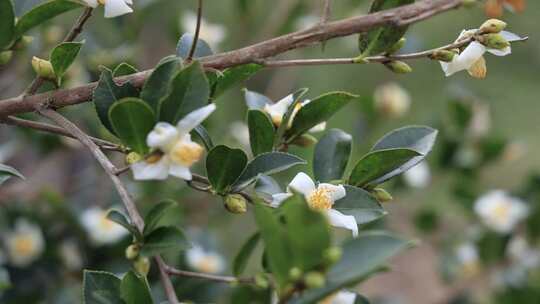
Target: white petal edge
x,y
115,8
338,219
344,297
180,172
318,128
146,171
302,183
279,198
509,36
193,119
162,136
91,3
336,192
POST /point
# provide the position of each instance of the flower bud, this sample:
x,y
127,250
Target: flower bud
x,y
5,57
398,67
305,140
133,157
142,265
235,203
382,195
492,26
397,46
261,281
295,273
132,251
314,279
442,55
43,68
332,255
391,100
494,41
23,42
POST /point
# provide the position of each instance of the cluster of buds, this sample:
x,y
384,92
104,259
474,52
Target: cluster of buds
x,y
140,263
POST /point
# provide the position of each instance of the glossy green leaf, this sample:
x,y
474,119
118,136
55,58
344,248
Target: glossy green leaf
x,y
6,172
331,155
202,134
124,69
132,119
377,164
7,23
261,132
62,56
267,163
119,218
189,91
241,260
100,287
418,138
135,289
223,166
232,76
361,257
42,13
255,101
164,239
155,215
184,46
158,83
361,204
318,110
108,92
380,39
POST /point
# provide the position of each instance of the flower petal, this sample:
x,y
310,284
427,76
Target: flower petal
x,y
509,36
147,171
302,183
193,119
502,52
91,3
343,297
180,172
338,219
162,136
115,8
318,128
278,198
279,108
472,53
335,192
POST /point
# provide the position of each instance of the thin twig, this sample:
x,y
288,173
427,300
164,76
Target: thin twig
x,y
206,276
197,30
325,16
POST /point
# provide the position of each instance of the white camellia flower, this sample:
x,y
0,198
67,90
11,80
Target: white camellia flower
x,y
392,100
213,34
500,211
175,151
418,176
520,251
278,110
24,244
467,256
100,229
204,261
113,8
321,197
472,57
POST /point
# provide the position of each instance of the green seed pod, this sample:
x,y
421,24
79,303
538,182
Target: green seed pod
x,y
492,26
43,68
443,55
142,265
5,57
314,279
295,273
382,195
398,67
235,203
332,255
132,251
494,41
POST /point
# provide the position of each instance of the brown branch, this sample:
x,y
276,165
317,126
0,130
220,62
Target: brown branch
x,y
207,276
197,31
403,15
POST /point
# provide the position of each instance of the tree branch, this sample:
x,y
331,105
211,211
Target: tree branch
x,y
197,31
401,16
206,276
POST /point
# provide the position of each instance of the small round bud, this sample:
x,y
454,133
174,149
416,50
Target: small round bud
x,y
133,157
314,279
494,41
23,42
295,273
142,265
397,46
391,100
261,281
492,26
132,251
333,254
235,203
382,195
398,67
443,55
43,68
5,57
305,140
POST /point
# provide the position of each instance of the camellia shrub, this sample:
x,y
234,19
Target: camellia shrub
x,y
315,237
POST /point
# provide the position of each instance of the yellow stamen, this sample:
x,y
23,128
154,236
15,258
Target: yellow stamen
x,y
24,245
208,264
320,199
106,224
186,153
501,212
153,158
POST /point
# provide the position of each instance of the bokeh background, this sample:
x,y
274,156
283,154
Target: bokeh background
x,y
500,152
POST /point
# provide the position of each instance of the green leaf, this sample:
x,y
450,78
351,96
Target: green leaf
x,y
261,132
418,138
7,23
277,244
135,290
106,93
266,163
377,164
6,172
154,216
124,69
202,134
380,39
361,204
223,166
189,91
361,257
164,239
184,46
233,76
158,83
256,101
100,287
242,258
42,13
331,155
318,110
62,56
132,119
119,218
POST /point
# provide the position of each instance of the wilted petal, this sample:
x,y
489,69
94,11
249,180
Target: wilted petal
x,y
335,192
162,136
180,171
147,171
115,8
279,198
338,219
302,183
193,119
478,69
